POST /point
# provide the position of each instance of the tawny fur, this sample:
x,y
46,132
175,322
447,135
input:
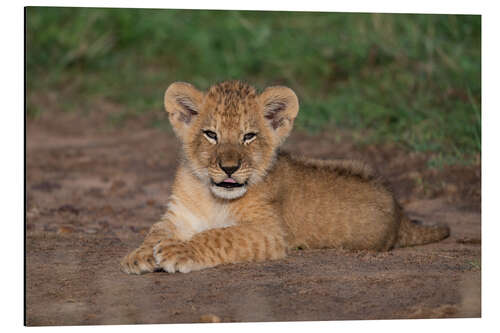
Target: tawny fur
x,y
283,202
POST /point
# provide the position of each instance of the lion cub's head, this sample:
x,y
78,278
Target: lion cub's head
x,y
230,133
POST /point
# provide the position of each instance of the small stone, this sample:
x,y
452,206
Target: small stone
x,y
451,188
33,213
69,208
64,230
117,184
106,210
210,318
467,240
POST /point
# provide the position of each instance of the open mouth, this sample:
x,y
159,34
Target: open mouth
x,y
228,183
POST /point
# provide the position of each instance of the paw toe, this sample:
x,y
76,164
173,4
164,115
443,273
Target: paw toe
x,y
138,262
174,257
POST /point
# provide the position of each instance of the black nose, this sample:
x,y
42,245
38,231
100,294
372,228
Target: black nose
x,y
229,170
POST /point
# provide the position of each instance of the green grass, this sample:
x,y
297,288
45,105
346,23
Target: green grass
x,y
410,79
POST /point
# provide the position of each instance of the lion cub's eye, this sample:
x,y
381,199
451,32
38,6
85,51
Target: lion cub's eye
x,y
210,135
249,137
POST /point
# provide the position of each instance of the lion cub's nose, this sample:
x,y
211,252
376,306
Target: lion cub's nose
x,y
229,170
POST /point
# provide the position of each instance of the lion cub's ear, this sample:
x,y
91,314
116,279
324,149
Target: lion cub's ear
x,y
182,103
281,106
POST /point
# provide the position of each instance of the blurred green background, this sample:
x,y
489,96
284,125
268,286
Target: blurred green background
x,y
410,79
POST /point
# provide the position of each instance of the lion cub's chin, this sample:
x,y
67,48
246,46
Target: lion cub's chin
x,y
228,193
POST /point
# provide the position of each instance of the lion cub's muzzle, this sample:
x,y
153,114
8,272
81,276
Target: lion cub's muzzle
x,y
229,181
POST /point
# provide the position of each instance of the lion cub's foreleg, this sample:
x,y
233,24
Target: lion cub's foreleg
x,y
241,243
141,260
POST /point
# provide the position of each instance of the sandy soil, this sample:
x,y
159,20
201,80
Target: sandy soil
x,y
93,191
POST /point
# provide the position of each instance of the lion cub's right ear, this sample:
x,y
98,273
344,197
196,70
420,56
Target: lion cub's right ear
x,y
182,103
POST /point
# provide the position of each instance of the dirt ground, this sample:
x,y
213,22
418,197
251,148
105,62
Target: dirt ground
x,y
92,192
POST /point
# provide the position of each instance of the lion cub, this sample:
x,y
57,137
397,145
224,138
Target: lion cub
x,y
235,198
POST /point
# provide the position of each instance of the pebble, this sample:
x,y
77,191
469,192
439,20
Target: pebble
x,y
210,318
451,188
33,213
468,240
106,210
117,184
64,230
91,231
69,208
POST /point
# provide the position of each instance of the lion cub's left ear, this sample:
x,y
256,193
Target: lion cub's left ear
x,y
281,106
182,103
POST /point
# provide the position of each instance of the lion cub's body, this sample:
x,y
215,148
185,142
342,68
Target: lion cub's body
x,y
236,198
323,208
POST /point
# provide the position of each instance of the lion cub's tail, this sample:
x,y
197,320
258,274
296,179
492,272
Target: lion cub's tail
x,y
413,232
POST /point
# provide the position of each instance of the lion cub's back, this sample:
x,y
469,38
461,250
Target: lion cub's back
x,y
338,203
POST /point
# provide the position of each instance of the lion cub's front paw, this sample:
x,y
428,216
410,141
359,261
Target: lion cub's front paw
x,y
139,261
175,256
